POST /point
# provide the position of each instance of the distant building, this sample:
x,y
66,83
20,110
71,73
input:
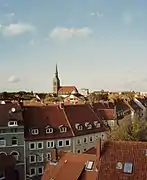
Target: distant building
x,y
61,90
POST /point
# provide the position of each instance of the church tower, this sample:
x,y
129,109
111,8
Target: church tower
x,y
56,82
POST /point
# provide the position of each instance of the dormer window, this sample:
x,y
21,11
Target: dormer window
x,y
34,131
49,130
88,125
12,123
97,124
79,127
62,129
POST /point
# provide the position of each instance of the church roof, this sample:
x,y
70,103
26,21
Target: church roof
x,y
67,89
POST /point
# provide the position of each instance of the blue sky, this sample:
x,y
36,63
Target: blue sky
x,y
97,44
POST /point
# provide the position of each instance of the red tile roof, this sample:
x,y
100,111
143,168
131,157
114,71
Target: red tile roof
x,y
123,152
43,116
5,114
53,115
71,166
81,113
107,114
66,89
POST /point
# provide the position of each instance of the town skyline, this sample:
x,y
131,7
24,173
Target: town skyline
x,y
100,46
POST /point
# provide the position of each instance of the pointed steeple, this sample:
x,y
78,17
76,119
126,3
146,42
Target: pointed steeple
x,y
56,70
56,81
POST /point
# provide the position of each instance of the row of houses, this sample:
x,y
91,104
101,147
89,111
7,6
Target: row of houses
x,y
30,132
115,160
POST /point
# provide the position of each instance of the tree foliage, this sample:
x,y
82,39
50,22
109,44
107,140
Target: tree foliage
x,y
129,131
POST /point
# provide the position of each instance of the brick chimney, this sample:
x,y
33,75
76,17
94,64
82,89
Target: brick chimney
x,y
54,154
98,149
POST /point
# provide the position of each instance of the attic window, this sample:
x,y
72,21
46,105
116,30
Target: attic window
x,y
97,124
89,165
88,125
79,127
49,130
34,131
63,129
128,167
12,123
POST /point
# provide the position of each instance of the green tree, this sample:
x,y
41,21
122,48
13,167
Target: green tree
x,y
129,131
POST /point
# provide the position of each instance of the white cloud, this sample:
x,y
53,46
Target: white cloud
x,y
61,33
13,79
98,14
127,19
16,29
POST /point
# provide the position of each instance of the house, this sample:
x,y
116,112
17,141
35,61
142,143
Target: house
x,y
65,166
120,160
12,135
70,128
7,167
61,90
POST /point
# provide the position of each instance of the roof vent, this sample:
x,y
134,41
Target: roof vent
x,y
119,165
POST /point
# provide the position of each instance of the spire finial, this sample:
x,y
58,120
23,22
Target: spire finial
x,y
56,69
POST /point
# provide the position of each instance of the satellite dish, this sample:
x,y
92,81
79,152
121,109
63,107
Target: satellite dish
x,y
13,109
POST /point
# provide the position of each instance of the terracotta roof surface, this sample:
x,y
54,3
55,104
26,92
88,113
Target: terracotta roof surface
x,y
81,113
118,157
71,166
66,89
107,114
42,116
6,114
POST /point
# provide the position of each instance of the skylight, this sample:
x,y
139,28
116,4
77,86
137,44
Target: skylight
x,y
128,167
89,165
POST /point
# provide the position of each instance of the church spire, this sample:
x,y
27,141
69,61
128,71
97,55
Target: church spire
x,y
56,70
56,82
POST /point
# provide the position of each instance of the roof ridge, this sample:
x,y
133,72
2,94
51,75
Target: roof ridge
x,y
64,112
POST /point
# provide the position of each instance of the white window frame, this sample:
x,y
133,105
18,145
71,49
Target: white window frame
x,y
30,171
69,142
16,141
92,139
40,157
4,142
49,143
30,145
39,142
31,162
79,141
49,130
80,127
98,125
62,143
16,156
42,170
34,131
12,125
48,156
63,129
86,140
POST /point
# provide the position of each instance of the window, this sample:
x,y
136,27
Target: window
x,y
78,151
128,167
12,123
78,141
60,143
63,129
85,140
14,141
67,142
40,170
49,130
32,171
32,145
48,156
89,165
40,157
39,145
34,131
84,150
50,144
15,154
3,153
80,127
32,158
13,130
2,142
91,139
98,125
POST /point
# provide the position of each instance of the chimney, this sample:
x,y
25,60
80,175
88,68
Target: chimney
x,y
54,154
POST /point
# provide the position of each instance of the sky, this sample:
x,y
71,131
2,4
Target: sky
x,y
97,44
